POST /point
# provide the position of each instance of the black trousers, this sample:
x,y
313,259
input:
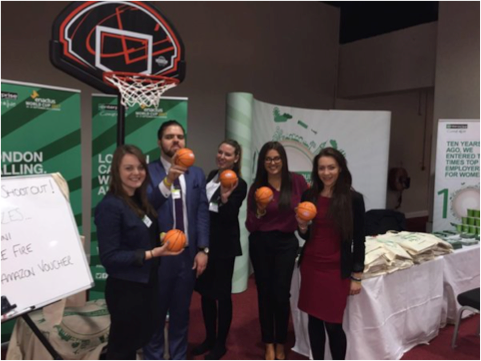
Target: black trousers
x,y
273,256
133,314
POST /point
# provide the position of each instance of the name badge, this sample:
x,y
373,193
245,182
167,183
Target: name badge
x,y
147,221
176,194
213,207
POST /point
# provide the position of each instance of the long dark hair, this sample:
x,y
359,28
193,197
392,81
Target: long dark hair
x,y
237,151
115,185
261,179
340,207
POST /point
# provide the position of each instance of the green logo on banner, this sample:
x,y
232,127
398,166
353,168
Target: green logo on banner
x,y
41,134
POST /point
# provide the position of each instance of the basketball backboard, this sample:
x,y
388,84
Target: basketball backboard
x,y
91,38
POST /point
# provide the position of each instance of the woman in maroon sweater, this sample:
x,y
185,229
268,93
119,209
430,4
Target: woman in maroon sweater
x,y
272,243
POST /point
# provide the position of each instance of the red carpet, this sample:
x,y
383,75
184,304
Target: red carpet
x,y
440,347
244,341
244,338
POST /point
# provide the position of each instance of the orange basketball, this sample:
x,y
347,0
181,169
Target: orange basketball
x,y
176,239
264,195
185,157
306,211
228,178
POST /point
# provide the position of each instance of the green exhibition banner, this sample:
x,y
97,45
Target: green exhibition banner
x,y
141,126
41,134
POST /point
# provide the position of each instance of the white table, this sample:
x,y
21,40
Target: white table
x,y
461,274
393,313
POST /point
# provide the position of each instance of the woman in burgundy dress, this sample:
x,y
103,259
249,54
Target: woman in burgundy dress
x,y
332,262
273,245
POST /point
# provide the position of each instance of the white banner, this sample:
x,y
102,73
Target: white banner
x,y
456,186
362,136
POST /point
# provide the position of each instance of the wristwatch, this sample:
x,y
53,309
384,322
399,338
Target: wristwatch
x,y
204,249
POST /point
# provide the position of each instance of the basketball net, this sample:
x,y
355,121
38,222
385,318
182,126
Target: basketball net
x,y
141,89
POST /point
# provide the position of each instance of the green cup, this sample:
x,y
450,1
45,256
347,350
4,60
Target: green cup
x,y
472,229
470,212
465,228
476,231
476,222
465,220
476,213
459,228
471,221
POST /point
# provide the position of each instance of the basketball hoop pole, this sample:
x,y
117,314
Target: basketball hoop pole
x,y
120,122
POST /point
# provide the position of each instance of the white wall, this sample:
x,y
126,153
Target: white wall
x,y
410,142
283,52
388,71
398,61
395,72
456,93
457,61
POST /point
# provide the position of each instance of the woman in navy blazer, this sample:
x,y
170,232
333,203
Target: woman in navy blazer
x,y
129,248
215,284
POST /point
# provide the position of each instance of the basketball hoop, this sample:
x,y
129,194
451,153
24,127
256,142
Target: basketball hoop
x,y
144,90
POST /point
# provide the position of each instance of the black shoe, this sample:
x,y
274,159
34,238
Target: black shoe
x,y
216,353
202,348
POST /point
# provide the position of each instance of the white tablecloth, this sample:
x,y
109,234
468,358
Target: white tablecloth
x,y
461,274
392,314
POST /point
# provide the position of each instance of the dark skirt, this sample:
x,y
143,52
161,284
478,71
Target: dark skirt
x,y
216,281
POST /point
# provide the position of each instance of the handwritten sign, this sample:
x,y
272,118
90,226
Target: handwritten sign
x,y
43,259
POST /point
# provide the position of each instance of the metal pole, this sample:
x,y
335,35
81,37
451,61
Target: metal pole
x,y
41,337
120,122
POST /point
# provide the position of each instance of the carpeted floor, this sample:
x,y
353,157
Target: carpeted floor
x,y
244,342
244,338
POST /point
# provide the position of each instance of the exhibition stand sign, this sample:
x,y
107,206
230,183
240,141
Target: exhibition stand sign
x,y
456,188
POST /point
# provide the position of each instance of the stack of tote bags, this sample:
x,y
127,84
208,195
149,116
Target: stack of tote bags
x,y
395,251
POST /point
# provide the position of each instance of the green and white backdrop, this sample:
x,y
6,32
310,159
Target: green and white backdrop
x,y
41,134
141,126
362,136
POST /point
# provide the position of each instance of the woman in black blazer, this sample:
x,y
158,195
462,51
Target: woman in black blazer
x,y
215,284
129,248
332,261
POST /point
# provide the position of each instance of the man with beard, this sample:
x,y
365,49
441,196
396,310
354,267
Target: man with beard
x,y
178,194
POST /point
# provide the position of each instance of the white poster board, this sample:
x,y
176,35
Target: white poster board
x,y
43,259
456,186
362,136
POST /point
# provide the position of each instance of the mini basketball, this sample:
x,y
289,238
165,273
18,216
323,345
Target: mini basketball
x,y
228,178
176,239
185,157
264,195
306,211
